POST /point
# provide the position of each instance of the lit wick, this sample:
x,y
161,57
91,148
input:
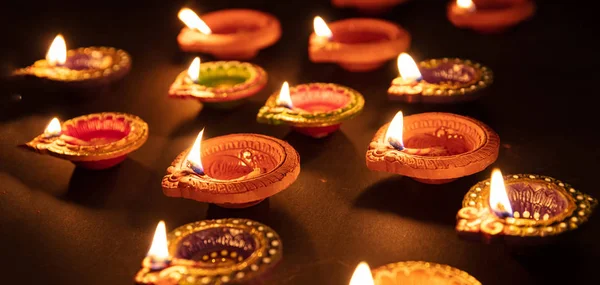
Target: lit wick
x,y
409,71
53,129
393,136
284,99
362,275
466,5
192,21
57,53
158,255
194,159
194,70
499,202
321,28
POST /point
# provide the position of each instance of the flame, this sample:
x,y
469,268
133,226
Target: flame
x,y
194,69
362,275
498,197
53,128
284,99
57,53
466,5
158,249
194,156
393,135
408,68
192,21
321,28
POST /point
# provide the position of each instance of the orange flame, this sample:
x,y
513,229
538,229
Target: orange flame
x,y
393,134
194,69
158,249
57,53
408,67
284,99
192,21
194,156
321,28
362,275
466,5
499,201
53,128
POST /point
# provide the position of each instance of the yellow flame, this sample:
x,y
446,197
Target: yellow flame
x,y
194,156
194,69
57,53
395,129
466,4
408,67
284,99
192,21
362,275
499,201
159,249
53,128
321,28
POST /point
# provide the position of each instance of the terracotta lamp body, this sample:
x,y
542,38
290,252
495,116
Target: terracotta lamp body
x,y
491,16
368,6
419,272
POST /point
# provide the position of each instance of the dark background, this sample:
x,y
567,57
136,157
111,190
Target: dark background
x,y
62,225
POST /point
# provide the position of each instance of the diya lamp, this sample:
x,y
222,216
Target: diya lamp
x,y
368,6
444,80
411,272
314,109
522,209
488,16
81,67
211,252
228,34
433,148
220,84
358,44
94,141
232,171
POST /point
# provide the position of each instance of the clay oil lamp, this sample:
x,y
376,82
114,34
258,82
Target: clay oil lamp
x,y
211,252
237,34
367,6
314,109
359,44
81,67
95,141
411,272
433,148
220,84
489,16
232,171
522,209
444,80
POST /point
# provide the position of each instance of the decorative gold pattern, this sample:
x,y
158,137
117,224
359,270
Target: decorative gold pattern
x,y
418,272
56,146
430,91
117,62
271,113
476,216
181,181
183,86
189,272
382,156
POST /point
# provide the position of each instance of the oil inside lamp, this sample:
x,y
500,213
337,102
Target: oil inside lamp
x,y
158,255
499,202
194,159
57,53
53,129
466,5
362,275
192,21
408,68
284,99
321,28
194,70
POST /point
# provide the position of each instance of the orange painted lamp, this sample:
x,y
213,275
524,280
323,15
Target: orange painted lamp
x,y
411,272
358,44
368,6
233,34
489,16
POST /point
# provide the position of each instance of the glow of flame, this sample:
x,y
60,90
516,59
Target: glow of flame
x,y
408,67
194,156
362,275
57,53
321,28
158,249
194,69
284,99
192,21
53,128
393,134
466,5
499,201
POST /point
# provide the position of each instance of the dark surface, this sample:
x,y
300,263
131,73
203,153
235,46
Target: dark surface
x,y
61,225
